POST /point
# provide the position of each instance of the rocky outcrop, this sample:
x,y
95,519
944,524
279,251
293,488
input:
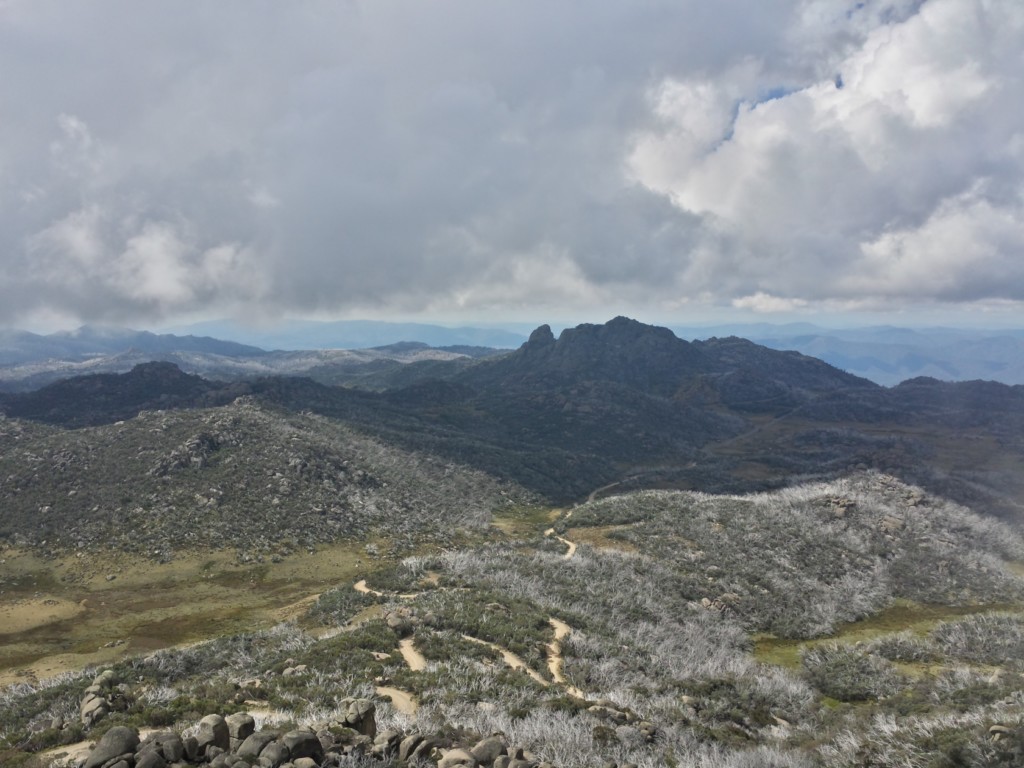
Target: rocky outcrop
x,y
233,742
101,698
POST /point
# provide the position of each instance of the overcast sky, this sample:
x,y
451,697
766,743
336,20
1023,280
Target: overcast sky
x,y
471,161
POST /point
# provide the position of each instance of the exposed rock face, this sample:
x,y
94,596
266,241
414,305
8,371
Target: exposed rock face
x,y
117,743
101,698
324,745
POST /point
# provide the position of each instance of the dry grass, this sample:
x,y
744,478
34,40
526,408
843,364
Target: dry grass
x,y
56,626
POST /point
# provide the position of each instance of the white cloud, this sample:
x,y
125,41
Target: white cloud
x,y
818,188
326,157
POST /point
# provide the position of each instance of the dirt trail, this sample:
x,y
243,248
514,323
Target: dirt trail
x,y
556,662
593,493
360,586
510,658
416,660
401,700
570,544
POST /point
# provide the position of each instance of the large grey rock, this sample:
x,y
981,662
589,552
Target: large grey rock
x,y
302,743
213,732
408,745
486,751
93,709
274,755
386,743
191,746
241,726
361,716
167,744
152,759
118,741
424,748
454,757
254,744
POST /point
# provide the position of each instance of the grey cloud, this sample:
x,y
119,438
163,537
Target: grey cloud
x,y
164,158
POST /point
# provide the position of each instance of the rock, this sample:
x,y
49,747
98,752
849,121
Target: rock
x,y
455,757
301,743
254,743
305,762
94,708
362,717
275,754
486,751
424,748
118,741
213,752
150,760
407,746
241,726
167,744
502,761
105,679
399,624
386,743
191,746
213,732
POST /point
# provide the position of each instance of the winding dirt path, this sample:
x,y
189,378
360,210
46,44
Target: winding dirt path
x,y
593,493
556,662
417,661
401,700
510,658
360,586
570,544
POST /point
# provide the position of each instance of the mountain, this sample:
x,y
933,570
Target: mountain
x,y
889,355
87,342
377,368
355,334
766,561
632,406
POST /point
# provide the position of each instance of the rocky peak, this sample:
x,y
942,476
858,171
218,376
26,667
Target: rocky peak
x,y
542,337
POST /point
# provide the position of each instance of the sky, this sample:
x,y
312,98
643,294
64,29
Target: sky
x,y
477,162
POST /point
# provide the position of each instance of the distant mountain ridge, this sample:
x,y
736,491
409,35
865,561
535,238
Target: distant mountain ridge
x,y
88,341
888,355
630,405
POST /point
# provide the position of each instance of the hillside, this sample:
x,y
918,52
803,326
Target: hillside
x,y
241,476
844,624
766,561
631,405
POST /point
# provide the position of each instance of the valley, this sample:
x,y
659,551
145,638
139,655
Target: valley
x,y
610,547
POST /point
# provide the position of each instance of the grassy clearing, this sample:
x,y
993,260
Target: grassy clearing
x,y
524,521
902,616
56,623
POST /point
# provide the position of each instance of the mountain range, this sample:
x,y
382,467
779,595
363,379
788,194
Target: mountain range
x,y
612,546
335,352
628,404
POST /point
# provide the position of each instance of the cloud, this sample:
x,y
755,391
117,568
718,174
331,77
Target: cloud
x,y
898,178
162,159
